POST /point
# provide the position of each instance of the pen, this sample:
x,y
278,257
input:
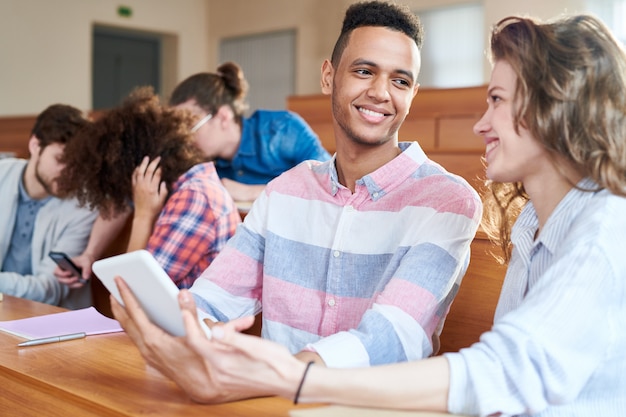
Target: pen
x,y
53,339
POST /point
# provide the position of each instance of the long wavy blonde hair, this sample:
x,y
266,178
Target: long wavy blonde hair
x,y
571,96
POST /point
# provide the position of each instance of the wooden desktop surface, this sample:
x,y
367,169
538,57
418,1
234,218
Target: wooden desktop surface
x,y
100,375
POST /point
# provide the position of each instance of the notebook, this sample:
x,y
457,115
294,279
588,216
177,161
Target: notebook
x,y
87,320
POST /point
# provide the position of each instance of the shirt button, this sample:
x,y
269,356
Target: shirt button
x,y
336,254
331,302
349,208
375,194
240,173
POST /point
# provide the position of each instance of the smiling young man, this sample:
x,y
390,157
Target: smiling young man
x,y
353,261
35,221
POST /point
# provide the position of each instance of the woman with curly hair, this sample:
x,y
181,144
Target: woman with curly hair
x,y
142,155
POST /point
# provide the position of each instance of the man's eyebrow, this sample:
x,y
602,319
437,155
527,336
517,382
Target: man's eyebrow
x,y
368,63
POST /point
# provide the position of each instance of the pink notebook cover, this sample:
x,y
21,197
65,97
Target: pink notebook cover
x,y
87,320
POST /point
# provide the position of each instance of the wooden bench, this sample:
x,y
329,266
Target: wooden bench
x,y
471,313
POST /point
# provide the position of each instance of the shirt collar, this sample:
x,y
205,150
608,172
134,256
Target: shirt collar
x,y
203,169
25,198
388,176
22,191
552,234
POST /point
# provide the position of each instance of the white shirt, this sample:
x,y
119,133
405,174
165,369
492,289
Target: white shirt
x,y
558,345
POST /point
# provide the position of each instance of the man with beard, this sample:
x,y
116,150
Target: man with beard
x,y
36,220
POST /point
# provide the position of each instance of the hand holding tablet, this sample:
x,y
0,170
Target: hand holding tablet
x,y
150,284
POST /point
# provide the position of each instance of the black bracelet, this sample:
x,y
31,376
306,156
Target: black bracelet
x,y
308,365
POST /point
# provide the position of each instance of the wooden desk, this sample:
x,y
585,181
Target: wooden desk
x,y
97,376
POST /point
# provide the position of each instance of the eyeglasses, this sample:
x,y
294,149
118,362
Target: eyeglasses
x,y
202,121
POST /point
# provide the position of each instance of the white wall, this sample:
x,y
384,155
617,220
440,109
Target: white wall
x,y
318,23
45,45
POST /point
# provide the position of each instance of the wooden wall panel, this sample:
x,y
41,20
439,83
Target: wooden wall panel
x,y
432,102
15,133
456,133
422,130
327,135
466,164
472,310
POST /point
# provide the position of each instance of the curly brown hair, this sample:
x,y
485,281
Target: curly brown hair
x,y
100,164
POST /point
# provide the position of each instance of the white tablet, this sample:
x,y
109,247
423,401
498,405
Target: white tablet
x,y
153,288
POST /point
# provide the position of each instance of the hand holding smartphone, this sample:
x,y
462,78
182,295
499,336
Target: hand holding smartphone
x,y
66,264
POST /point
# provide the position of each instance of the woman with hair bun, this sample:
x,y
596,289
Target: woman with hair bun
x,y
248,151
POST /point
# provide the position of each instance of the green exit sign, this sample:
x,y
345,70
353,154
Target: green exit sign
x,y
124,11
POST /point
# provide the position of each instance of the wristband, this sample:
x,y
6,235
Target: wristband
x,y
308,365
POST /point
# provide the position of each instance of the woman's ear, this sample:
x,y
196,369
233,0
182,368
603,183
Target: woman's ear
x,y
224,116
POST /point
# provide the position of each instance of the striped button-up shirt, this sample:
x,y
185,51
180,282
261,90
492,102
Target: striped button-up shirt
x,y
558,345
361,278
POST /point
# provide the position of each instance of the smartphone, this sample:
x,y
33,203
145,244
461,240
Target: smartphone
x,y
66,264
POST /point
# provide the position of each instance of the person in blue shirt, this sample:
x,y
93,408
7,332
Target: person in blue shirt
x,y
248,151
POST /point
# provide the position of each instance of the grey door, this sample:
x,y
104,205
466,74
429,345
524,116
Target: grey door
x,y
121,62
268,63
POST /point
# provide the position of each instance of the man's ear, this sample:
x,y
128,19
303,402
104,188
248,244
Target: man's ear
x,y
327,77
34,146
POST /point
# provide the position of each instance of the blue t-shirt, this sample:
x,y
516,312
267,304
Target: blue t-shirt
x,y
272,141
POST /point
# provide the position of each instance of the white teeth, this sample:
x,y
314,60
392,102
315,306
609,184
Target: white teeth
x,y
370,112
490,146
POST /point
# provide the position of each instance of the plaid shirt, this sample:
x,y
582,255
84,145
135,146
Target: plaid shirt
x,y
194,225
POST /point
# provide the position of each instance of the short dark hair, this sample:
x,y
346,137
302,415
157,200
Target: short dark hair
x,y
378,13
58,123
